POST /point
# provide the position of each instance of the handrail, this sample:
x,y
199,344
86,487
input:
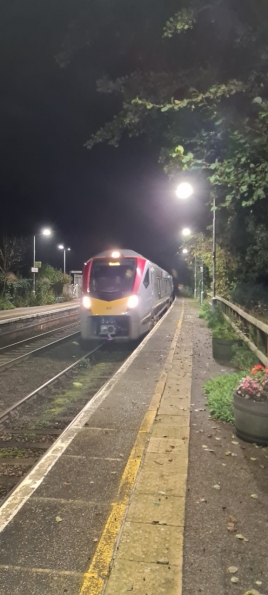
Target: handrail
x,y
261,325
258,331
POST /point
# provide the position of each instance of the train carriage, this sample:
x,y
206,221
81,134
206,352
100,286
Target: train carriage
x,y
123,295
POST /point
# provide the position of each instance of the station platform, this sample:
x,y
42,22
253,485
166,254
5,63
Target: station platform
x,y
112,507
22,313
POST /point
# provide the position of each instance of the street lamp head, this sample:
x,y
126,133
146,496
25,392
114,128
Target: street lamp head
x,y
185,251
61,247
184,190
186,232
46,232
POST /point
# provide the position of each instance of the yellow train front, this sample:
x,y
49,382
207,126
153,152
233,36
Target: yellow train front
x,y
123,294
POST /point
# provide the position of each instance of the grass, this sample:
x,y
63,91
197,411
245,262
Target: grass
x,y
7,453
219,393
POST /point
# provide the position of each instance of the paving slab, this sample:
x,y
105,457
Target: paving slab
x,y
102,443
35,582
37,539
143,579
73,479
150,543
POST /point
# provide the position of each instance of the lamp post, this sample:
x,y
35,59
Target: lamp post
x,y
184,191
61,247
45,232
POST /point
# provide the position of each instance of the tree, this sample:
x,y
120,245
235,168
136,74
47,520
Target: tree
x,y
209,110
12,252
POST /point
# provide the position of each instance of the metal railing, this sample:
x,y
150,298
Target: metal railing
x,y
253,331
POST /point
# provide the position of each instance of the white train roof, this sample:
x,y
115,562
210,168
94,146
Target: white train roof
x,y
125,253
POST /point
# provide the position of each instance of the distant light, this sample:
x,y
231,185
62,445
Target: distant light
x,y
186,232
46,232
68,248
184,190
133,302
61,247
185,251
86,301
115,254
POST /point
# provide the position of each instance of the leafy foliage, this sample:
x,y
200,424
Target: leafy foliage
x,y
183,20
243,357
219,393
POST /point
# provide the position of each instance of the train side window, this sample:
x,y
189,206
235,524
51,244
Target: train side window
x,y
146,280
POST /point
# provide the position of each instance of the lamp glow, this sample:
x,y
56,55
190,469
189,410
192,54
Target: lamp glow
x,y
115,254
186,232
86,302
185,251
46,232
133,302
184,190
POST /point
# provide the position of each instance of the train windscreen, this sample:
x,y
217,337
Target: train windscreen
x,y
112,280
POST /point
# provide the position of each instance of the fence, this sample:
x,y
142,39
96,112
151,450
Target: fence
x,y
253,331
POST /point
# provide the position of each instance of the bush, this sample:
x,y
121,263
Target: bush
x,y
186,292
251,297
5,304
219,393
243,357
221,329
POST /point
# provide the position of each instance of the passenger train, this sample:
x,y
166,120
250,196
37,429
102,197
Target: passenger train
x,y
123,294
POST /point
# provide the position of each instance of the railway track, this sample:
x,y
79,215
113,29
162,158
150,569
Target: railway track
x,y
12,353
31,424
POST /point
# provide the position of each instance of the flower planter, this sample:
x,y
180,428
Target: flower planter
x,y
251,420
222,349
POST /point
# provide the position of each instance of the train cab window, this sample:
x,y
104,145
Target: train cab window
x,y
146,280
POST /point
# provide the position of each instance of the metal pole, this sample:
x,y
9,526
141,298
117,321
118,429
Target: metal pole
x,y
195,289
64,261
202,283
214,254
34,264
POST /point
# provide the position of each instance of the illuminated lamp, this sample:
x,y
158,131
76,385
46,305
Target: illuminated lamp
x,y
133,302
86,301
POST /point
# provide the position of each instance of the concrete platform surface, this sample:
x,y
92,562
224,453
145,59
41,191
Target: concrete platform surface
x,y
9,315
125,501
60,527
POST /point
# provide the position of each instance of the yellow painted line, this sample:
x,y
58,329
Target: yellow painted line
x,y
98,571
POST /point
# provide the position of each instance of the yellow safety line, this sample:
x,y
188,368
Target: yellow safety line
x,y
98,571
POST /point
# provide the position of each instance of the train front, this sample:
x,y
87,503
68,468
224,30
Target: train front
x,y
110,304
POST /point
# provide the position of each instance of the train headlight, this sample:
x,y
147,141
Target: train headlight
x,y
86,301
133,302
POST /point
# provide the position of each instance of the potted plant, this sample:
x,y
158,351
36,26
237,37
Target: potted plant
x,y
224,339
251,406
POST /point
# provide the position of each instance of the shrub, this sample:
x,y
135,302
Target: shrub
x,y
243,357
5,304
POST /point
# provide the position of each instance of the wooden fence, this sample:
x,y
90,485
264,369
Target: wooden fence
x,y
253,331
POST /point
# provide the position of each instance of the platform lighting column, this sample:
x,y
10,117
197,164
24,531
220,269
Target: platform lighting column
x,y
45,232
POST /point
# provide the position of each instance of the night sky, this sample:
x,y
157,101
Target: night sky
x,y
92,199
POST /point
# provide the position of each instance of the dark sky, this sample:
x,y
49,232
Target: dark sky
x,y
91,199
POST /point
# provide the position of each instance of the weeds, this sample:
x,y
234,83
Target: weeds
x,y
219,393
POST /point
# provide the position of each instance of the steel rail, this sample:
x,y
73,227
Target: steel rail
x,y
46,384
54,330
29,353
